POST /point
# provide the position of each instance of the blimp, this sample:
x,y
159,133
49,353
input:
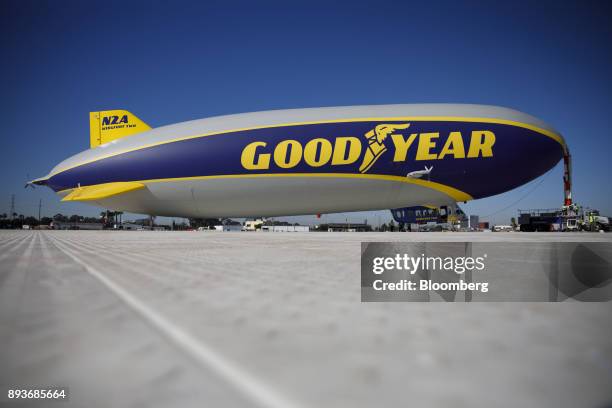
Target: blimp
x,y
306,161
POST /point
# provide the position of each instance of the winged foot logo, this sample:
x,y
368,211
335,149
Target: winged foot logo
x,y
346,150
376,145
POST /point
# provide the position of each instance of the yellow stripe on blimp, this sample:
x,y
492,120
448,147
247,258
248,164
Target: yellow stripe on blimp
x,y
101,191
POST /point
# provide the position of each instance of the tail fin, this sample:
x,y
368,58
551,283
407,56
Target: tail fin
x,y
106,126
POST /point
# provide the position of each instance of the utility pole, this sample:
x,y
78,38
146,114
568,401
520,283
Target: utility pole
x,y
39,207
12,206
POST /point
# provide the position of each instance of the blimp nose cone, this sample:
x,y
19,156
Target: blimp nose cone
x,y
519,153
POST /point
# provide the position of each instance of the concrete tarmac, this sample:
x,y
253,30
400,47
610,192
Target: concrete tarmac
x,y
157,319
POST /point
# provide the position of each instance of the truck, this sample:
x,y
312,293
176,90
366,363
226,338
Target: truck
x,y
568,218
547,219
593,221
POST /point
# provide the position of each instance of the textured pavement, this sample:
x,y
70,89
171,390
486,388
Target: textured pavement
x,y
185,319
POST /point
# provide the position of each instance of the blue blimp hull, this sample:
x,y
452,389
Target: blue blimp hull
x,y
314,160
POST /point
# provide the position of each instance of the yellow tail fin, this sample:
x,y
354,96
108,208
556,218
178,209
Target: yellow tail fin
x,y
106,126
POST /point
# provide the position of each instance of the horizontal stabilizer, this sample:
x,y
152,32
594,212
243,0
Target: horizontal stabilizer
x,y
106,126
101,191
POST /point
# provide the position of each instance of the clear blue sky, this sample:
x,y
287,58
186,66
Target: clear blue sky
x,y
174,61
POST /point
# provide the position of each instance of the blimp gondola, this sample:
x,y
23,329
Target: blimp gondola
x,y
307,161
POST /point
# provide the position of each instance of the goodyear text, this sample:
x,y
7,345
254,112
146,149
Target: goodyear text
x,y
347,150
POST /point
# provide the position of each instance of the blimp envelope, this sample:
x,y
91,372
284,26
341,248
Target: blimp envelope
x,y
306,161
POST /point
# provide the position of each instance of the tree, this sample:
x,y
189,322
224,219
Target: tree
x,y
60,218
30,221
105,218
